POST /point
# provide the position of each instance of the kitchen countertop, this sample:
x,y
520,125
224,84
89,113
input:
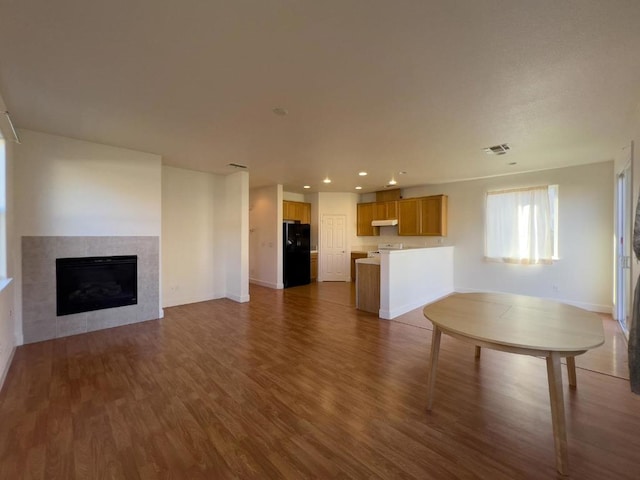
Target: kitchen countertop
x,y
370,261
364,248
374,248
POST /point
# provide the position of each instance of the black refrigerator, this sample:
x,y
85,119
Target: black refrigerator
x,y
297,254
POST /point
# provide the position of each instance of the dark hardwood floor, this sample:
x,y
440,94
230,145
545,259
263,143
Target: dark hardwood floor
x,y
298,384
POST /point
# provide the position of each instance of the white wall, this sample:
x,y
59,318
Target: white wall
x,y
265,236
293,197
67,187
205,247
235,235
314,200
414,277
190,255
582,276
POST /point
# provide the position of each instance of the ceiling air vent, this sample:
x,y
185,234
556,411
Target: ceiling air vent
x,y
497,149
236,165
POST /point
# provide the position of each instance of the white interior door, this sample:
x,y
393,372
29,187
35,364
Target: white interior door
x,y
333,249
623,253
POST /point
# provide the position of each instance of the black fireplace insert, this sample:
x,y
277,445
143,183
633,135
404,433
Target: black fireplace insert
x,y
94,283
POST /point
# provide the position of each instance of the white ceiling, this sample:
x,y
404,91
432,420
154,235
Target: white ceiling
x,y
380,85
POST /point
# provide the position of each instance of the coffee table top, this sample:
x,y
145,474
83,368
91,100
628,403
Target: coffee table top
x,y
517,321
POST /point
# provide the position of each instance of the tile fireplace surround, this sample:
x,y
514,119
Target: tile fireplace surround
x,y
39,320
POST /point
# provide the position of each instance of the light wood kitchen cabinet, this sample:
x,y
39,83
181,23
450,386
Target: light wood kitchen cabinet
x,y
368,288
375,211
366,212
385,210
433,215
354,257
408,218
425,216
297,211
314,266
388,195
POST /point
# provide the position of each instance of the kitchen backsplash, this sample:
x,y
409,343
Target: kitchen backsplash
x,y
389,235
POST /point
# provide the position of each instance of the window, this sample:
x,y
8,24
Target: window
x,y
522,225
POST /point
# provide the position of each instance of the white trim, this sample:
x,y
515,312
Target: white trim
x,y
396,312
6,368
592,307
5,282
239,298
190,299
275,285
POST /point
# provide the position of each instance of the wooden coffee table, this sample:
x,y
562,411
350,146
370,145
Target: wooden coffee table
x,y
524,325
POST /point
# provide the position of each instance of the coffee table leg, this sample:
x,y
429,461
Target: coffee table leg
x,y
554,375
433,365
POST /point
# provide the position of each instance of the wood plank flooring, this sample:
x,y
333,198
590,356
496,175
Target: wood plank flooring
x,y
298,384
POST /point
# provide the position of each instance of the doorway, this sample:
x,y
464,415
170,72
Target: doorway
x,y
333,249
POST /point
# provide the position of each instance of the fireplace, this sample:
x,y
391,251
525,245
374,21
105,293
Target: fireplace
x,y
95,283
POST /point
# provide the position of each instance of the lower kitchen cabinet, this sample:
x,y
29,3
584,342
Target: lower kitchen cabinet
x,y
354,257
314,266
368,287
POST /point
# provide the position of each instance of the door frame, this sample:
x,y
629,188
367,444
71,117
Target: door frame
x,y
623,249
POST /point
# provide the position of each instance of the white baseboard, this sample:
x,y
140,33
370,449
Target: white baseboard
x,y
239,298
174,302
5,370
592,307
344,279
396,312
262,283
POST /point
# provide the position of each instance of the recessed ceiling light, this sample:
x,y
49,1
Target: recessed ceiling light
x,y
358,187
402,173
282,112
362,174
307,186
392,181
326,180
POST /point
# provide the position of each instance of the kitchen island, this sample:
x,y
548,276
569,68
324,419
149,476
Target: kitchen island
x,y
413,277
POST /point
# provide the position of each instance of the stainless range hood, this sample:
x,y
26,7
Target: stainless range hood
x,y
384,223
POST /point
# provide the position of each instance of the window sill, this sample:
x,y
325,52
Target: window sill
x,y
515,261
4,283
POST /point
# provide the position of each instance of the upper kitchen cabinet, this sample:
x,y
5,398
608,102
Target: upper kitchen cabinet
x,y
385,210
388,195
425,216
366,213
296,211
408,217
433,215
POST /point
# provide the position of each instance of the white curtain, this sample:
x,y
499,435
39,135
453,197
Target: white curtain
x,y
519,226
